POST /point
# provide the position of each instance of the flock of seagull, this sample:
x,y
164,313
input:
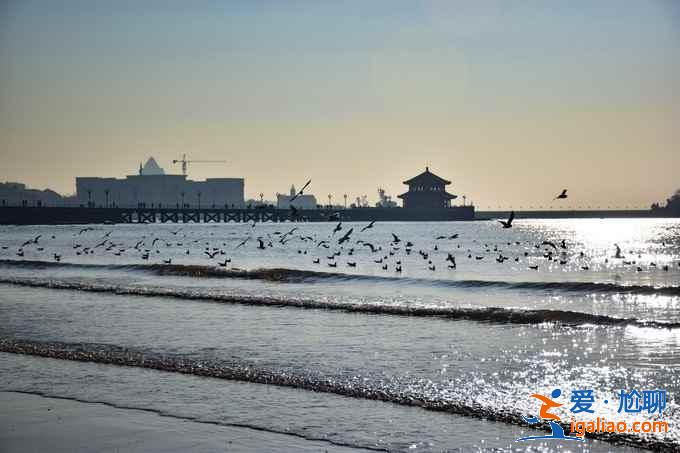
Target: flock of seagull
x,y
340,242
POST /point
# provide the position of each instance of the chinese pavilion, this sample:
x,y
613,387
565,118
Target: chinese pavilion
x,y
427,190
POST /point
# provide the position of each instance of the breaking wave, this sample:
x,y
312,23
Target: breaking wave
x,y
496,315
284,275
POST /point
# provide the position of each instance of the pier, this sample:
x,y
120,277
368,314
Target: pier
x,y
25,215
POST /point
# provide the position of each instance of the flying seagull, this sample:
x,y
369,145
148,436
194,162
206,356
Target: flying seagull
x,y
508,223
346,236
301,191
370,225
562,196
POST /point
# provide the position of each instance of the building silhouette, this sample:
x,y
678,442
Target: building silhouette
x,y
17,194
152,187
427,190
301,202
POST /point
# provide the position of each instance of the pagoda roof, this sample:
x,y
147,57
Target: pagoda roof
x,y
427,177
442,194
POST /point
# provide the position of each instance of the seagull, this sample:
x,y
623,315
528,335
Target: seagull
x,y
345,238
301,191
370,225
562,196
337,228
293,212
261,244
508,223
243,242
618,251
548,243
396,238
368,244
101,244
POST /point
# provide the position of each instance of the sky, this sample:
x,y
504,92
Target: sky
x,y
510,100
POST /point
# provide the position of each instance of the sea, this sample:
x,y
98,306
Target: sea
x,y
377,341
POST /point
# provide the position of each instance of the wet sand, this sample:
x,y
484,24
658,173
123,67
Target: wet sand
x,y
32,423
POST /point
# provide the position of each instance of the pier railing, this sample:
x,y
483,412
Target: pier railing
x,y
84,215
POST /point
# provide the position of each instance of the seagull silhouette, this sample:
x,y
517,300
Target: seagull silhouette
x,y
300,192
345,238
508,223
562,196
370,225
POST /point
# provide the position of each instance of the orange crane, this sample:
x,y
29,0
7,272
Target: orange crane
x,y
184,162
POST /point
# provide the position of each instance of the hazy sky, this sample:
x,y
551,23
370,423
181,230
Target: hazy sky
x,y
511,100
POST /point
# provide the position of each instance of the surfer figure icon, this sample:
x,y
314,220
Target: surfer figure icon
x,y
547,404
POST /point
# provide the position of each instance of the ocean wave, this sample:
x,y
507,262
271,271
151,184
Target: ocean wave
x,y
350,386
285,275
497,315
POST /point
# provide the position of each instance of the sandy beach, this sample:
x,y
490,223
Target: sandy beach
x,y
33,423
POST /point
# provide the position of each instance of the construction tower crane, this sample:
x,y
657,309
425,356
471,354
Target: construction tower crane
x,y
184,162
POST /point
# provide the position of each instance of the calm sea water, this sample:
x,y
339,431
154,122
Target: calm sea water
x,y
289,337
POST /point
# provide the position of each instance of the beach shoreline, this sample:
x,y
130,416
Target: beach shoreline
x,y
35,423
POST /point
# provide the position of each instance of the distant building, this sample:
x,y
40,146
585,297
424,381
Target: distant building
x,y
152,187
427,190
17,194
385,200
301,202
